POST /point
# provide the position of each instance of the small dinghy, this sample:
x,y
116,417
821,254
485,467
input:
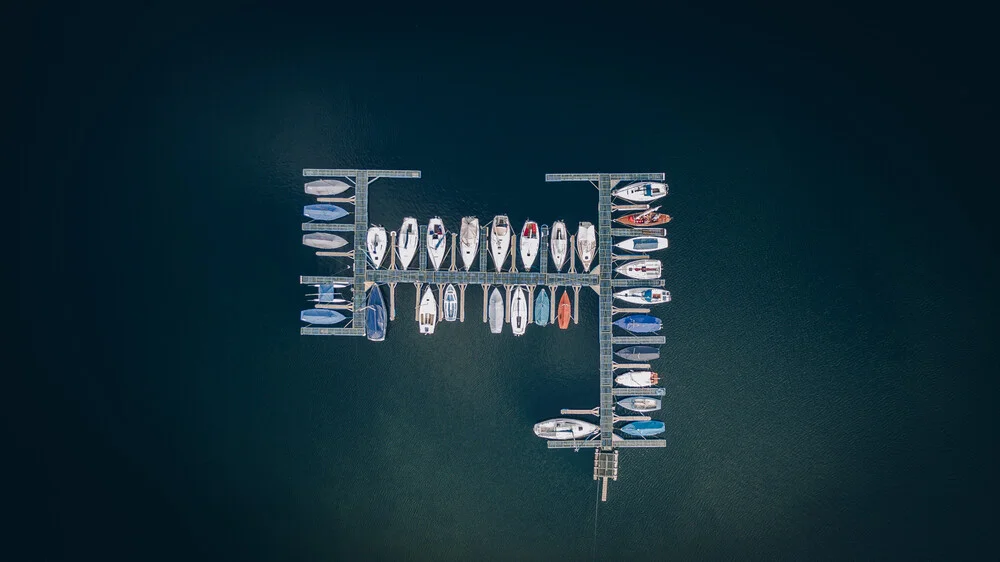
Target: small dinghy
x,y
639,353
469,238
562,429
323,240
529,244
496,311
559,244
644,428
436,244
542,307
450,303
564,312
638,379
641,269
378,242
326,187
519,312
640,403
639,323
586,244
646,218
500,240
321,316
640,295
428,312
375,320
323,212
641,192
643,244
408,241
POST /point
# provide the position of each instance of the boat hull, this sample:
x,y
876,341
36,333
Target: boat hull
x,y
496,311
640,403
564,312
562,429
638,219
500,240
321,316
529,244
642,295
323,240
436,242
644,428
638,379
326,187
641,269
323,212
559,244
375,318
644,244
519,312
639,353
450,304
586,244
408,241
642,192
427,315
377,243
542,308
639,324
469,241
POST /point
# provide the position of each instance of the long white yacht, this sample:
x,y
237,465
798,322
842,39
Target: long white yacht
x,y
500,240
638,379
641,269
562,429
643,295
496,311
427,314
436,241
641,192
378,242
408,241
519,312
586,244
529,244
643,244
559,243
469,239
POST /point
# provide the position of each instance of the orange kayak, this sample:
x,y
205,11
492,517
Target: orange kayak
x,y
564,311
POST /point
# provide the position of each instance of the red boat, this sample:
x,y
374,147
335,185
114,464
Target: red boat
x,y
564,311
645,218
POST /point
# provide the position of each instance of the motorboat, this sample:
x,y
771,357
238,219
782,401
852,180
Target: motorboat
x,y
639,353
542,307
427,315
649,217
559,244
639,323
321,316
450,303
640,403
641,269
643,244
378,242
375,319
326,187
529,244
469,239
644,428
408,241
500,240
638,379
586,244
564,312
495,311
323,240
323,212
641,192
562,429
519,312
641,295
436,241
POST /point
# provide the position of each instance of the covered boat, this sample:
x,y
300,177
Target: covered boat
x,y
375,319
328,294
639,323
408,241
436,241
641,192
644,428
586,244
639,353
642,295
638,379
564,312
500,240
640,403
519,312
323,212
321,316
378,242
450,303
542,308
562,429
559,244
496,311
641,269
643,244
427,315
646,218
323,240
469,239
326,187
529,244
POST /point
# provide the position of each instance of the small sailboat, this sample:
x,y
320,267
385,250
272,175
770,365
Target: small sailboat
x,y
640,295
564,312
562,429
586,244
641,269
436,243
326,187
643,244
321,316
644,428
648,217
638,379
323,212
469,238
639,323
542,308
408,241
519,312
378,242
641,192
428,312
450,303
323,240
639,353
529,244
500,240
375,319
640,403
559,244
496,311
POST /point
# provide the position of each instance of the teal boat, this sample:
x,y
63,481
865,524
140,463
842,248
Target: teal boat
x,y
542,308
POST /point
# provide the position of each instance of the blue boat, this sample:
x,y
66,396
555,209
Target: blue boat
x,y
375,315
639,353
644,428
321,316
542,308
323,212
327,293
639,323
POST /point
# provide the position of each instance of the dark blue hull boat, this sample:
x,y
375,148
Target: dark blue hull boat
x,y
375,316
639,353
639,323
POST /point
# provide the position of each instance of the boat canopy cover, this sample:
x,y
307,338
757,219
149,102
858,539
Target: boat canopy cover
x,y
323,212
326,293
321,316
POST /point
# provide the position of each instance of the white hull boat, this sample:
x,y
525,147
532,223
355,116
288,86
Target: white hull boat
x,y
640,404
641,192
562,429
643,244
323,240
378,243
326,187
469,238
428,312
642,295
450,303
408,241
638,379
641,269
500,240
586,244
436,241
559,243
529,244
519,312
496,311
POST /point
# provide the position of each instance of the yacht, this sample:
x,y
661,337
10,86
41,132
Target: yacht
x,y
641,295
559,243
586,244
469,238
375,320
519,312
450,303
641,192
641,269
529,244
436,241
408,241
428,312
496,311
562,429
643,244
638,379
378,242
500,240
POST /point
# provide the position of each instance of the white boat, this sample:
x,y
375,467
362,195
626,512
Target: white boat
x,y
638,379
436,241
562,429
641,269
641,192
469,239
323,240
500,240
643,244
519,312
428,312
450,303
496,311
529,244
378,243
559,243
586,244
643,295
408,241
326,187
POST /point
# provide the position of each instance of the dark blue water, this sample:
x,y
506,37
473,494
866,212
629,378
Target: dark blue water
x,y
826,365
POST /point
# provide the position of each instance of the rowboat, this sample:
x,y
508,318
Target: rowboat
x,y
586,244
641,192
375,321
326,187
640,403
529,244
649,217
519,312
408,241
542,308
436,243
469,239
643,244
641,269
500,240
377,244
562,429
323,240
323,212
427,315
495,311
641,295
563,313
450,303
321,316
559,243
636,379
